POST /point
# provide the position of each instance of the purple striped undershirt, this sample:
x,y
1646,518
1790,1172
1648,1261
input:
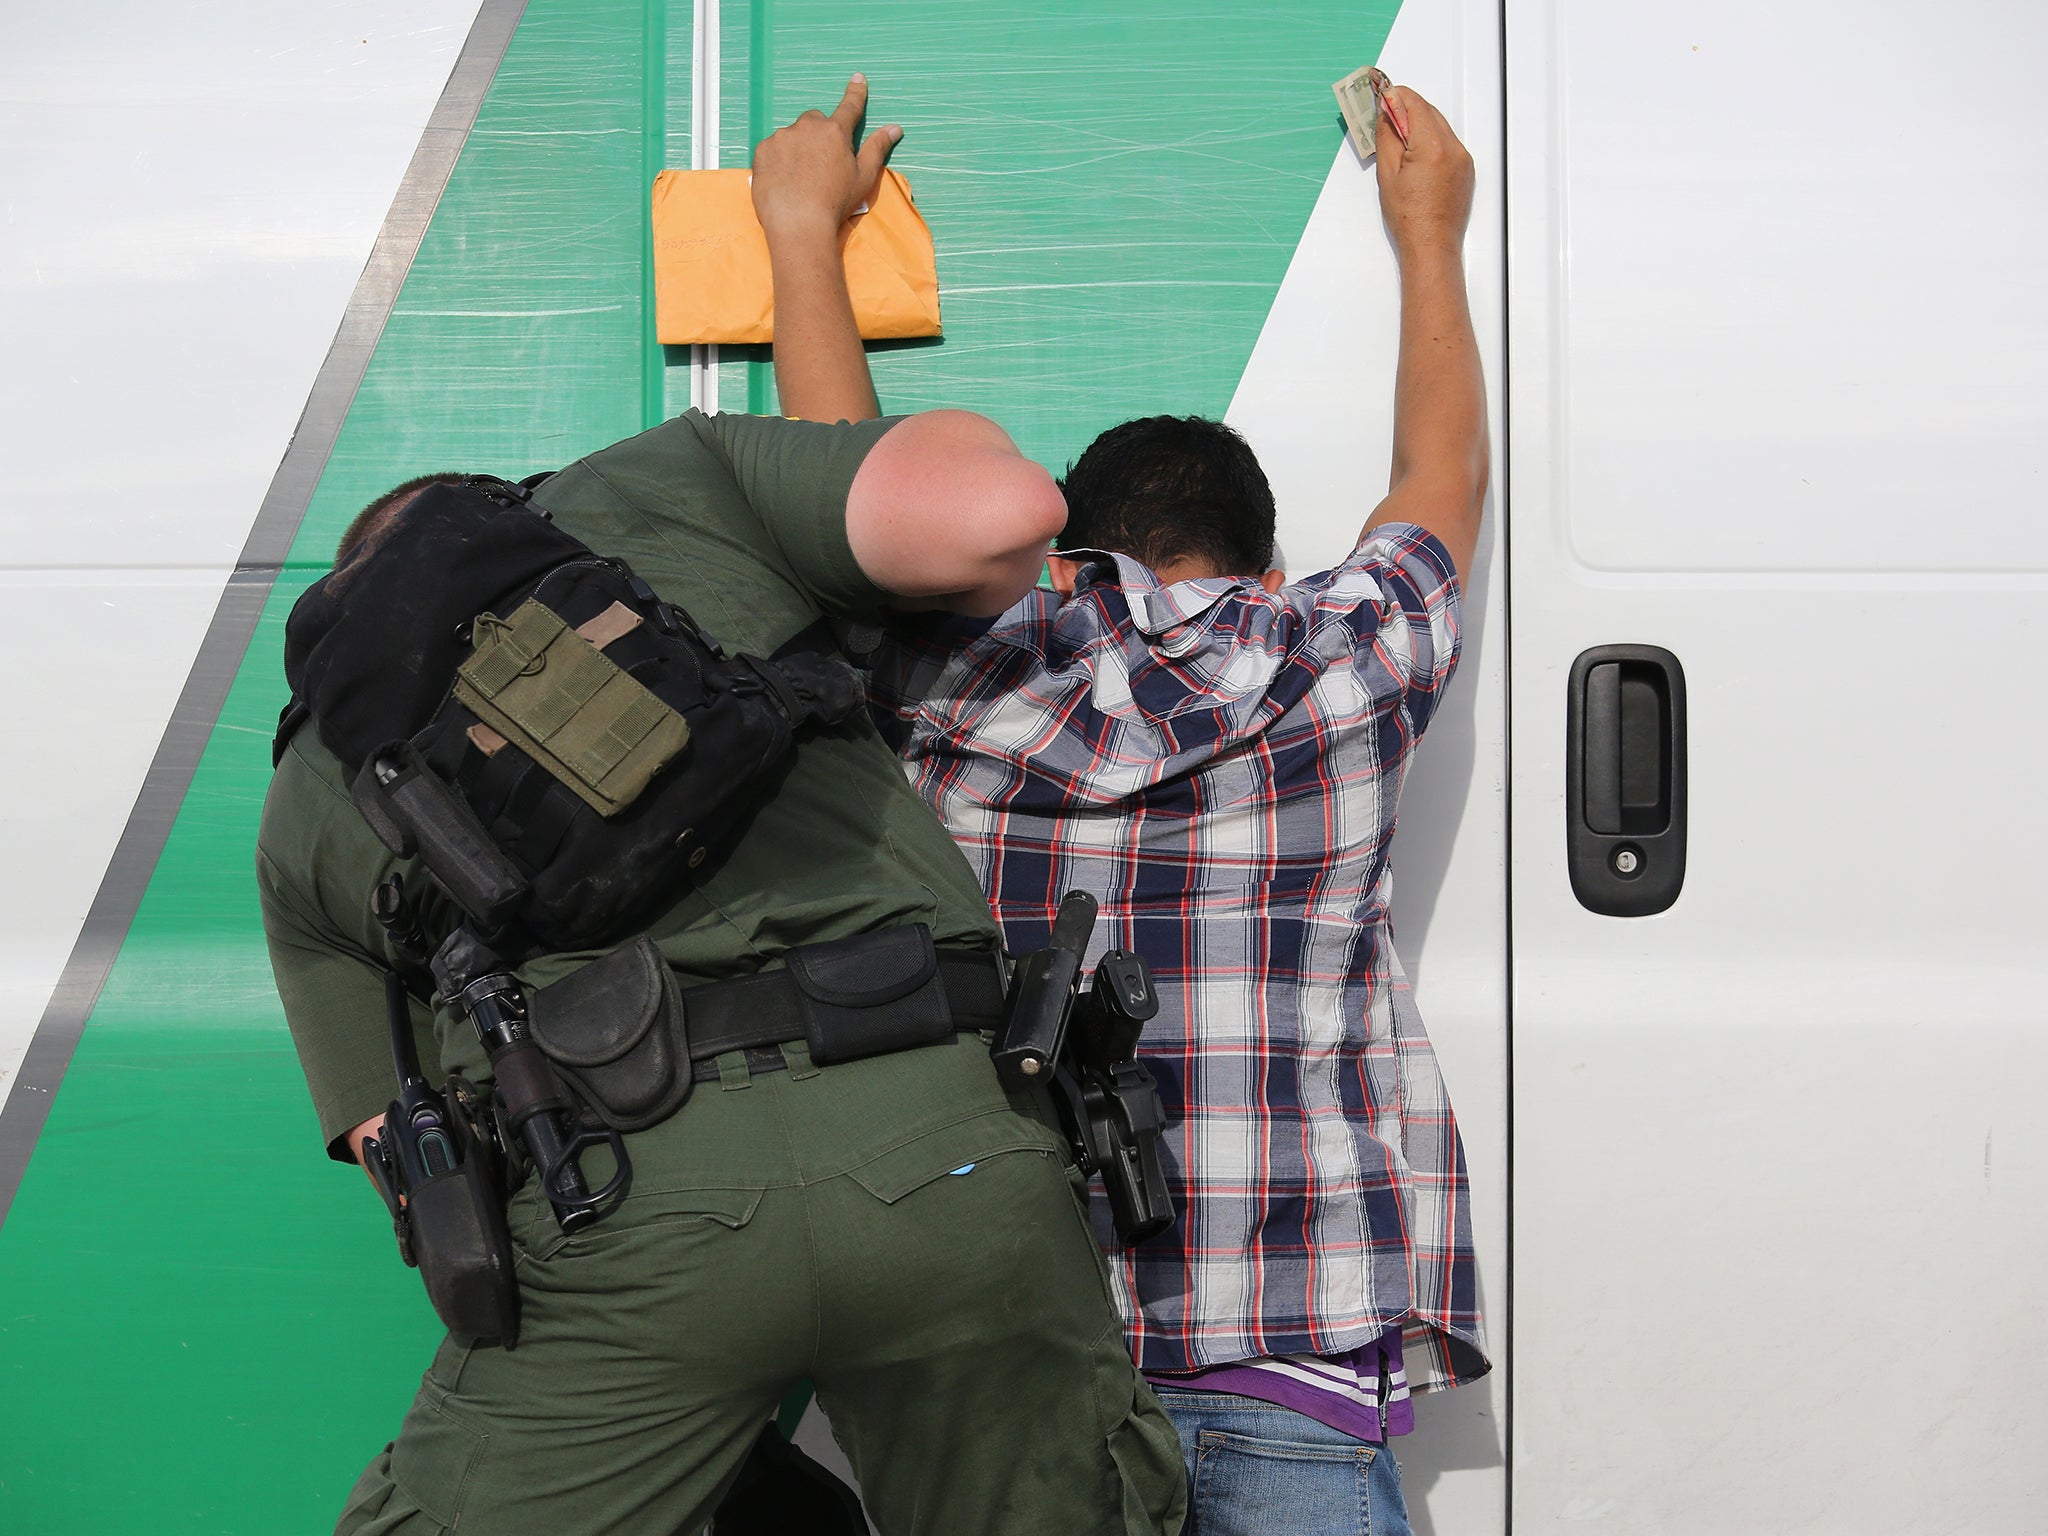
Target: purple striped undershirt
x,y
1355,1392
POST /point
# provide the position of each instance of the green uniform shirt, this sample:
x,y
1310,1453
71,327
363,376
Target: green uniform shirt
x,y
742,521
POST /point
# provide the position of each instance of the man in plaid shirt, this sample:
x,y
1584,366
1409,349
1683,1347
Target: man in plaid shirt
x,y
1215,754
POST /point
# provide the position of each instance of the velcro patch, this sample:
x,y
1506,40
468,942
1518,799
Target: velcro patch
x,y
616,621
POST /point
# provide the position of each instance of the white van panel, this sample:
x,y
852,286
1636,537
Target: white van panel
x,y
1779,1163
190,195
1797,275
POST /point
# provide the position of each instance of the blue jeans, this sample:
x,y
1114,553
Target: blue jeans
x,y
1257,1469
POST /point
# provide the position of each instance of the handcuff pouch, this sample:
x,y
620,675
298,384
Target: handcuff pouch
x,y
615,1032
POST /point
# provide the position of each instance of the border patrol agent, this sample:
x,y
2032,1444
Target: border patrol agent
x,y
893,1228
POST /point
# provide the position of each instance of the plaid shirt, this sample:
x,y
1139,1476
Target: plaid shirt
x,y
1219,767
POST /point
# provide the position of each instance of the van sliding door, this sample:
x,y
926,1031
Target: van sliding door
x,y
1776,327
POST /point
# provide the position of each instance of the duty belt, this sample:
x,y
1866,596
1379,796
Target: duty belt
x,y
756,1013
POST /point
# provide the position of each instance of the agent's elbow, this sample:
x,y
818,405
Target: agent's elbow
x,y
1033,510
1022,518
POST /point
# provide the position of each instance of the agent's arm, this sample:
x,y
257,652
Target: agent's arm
x,y
938,510
1440,447
808,182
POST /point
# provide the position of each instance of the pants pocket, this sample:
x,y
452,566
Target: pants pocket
x,y
656,1212
432,1465
1249,1485
1143,1445
951,1149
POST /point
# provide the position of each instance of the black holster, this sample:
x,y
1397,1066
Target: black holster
x,y
1108,1101
1086,1043
1118,1116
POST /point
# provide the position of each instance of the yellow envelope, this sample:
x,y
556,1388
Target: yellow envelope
x,y
711,281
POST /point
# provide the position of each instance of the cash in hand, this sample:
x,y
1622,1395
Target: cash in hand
x,y
1362,97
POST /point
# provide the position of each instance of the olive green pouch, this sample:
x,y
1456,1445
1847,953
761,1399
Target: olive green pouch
x,y
544,687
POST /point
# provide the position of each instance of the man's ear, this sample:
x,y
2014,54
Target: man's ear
x,y
1273,581
1064,574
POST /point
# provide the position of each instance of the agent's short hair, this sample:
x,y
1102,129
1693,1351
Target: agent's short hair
x,y
1172,489
365,527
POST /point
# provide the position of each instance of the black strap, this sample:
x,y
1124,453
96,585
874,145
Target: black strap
x,y
750,1012
808,665
294,715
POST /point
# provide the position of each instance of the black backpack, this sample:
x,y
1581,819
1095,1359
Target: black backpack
x,y
563,747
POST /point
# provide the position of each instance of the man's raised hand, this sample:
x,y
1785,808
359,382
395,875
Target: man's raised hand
x,y
808,182
808,177
1425,184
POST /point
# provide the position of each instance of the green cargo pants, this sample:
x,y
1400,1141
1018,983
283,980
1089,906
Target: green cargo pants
x,y
891,1229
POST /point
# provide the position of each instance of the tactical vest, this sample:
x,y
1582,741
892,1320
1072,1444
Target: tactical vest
x,y
568,748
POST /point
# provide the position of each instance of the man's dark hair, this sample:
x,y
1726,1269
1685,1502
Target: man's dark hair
x,y
1172,489
367,524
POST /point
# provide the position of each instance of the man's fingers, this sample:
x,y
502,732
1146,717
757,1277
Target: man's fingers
x,y
851,105
875,154
1386,138
1393,114
1397,108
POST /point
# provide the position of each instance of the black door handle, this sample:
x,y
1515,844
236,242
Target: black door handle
x,y
1625,779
